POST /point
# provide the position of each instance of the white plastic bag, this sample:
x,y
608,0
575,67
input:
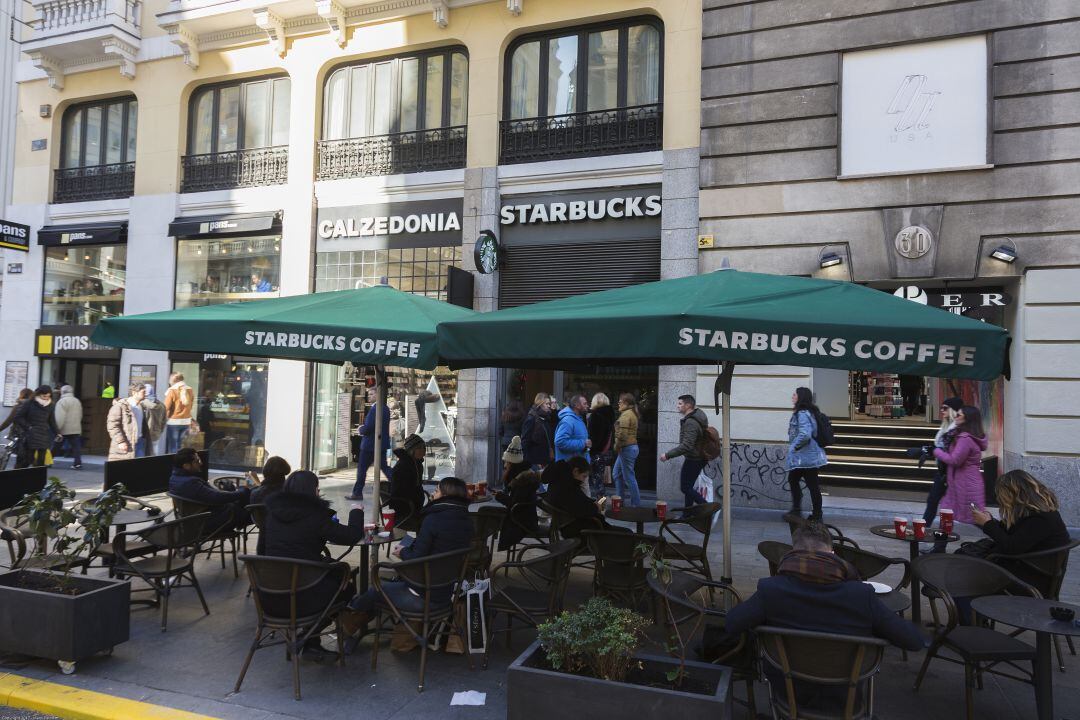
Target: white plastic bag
x,y
703,486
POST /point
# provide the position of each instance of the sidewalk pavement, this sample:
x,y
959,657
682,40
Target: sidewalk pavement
x,y
194,665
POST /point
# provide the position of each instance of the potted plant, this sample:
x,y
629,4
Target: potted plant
x,y
589,661
47,611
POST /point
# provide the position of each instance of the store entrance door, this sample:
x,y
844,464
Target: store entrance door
x,y
88,378
521,386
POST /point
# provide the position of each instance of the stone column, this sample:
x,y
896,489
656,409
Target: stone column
x,y
476,422
678,258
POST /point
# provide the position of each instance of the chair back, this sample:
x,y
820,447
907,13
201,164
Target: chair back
x,y
700,518
185,508
837,535
619,557
821,659
1044,569
434,572
384,492
487,521
278,576
185,532
869,565
559,518
773,552
553,569
688,596
965,576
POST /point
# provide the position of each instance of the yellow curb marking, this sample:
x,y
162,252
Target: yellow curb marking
x,y
75,704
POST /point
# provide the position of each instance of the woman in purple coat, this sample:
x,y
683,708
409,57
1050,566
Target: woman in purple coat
x,y
964,459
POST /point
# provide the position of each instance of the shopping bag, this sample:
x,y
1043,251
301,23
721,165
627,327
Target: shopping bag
x,y
48,458
703,487
475,617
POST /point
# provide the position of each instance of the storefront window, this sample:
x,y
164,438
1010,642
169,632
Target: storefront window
x,y
231,409
420,401
209,272
83,284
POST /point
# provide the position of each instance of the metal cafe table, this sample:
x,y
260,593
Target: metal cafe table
x,y
365,554
1028,613
889,532
637,515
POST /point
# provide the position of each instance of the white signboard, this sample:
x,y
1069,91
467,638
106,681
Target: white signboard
x,y
914,108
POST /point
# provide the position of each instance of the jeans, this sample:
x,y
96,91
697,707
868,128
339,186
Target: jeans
x,y
367,459
810,477
624,471
174,437
691,468
140,447
400,595
75,443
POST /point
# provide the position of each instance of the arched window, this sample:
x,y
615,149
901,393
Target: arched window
x,y
97,150
399,114
606,75
238,135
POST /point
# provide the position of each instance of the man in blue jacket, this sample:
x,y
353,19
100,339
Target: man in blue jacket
x,y
818,591
571,434
367,450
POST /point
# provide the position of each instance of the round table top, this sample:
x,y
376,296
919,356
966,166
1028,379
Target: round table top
x,y
134,516
395,535
1027,613
643,514
889,531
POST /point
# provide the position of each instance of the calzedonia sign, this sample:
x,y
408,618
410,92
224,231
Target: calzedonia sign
x,y
430,223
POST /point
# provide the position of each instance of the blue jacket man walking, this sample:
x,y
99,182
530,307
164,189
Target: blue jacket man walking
x,y
367,450
571,434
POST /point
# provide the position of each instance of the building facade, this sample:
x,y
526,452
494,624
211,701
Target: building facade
x,y
195,154
926,149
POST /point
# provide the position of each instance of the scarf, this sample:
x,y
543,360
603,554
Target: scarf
x,y
820,568
42,401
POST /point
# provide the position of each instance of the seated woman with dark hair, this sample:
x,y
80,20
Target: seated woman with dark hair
x,y
566,491
298,525
275,470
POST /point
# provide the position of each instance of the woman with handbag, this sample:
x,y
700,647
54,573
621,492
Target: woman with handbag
x,y
963,461
36,423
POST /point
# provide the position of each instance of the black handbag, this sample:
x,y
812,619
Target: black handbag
x,y
978,549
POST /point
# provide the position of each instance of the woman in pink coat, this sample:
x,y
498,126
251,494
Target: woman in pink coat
x,y
963,460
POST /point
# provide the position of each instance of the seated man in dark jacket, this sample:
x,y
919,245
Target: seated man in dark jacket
x,y
226,508
298,525
446,526
407,482
818,591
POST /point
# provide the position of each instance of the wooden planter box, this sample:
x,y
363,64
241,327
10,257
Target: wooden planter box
x,y
59,627
534,693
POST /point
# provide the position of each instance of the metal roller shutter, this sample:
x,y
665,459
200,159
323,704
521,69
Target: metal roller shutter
x,y
534,273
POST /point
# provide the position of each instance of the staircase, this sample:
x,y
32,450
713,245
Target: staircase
x,y
871,455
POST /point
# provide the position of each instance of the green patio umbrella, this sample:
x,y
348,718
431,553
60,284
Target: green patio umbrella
x,y
375,325
731,317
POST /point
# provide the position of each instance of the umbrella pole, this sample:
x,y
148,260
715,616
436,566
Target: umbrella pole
x,y
380,402
725,454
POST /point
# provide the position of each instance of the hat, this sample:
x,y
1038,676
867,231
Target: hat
x,y
412,442
954,402
513,454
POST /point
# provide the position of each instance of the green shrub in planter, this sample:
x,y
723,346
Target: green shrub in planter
x,y
599,640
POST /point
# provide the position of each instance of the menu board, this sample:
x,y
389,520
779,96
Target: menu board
x,y
15,372
344,413
145,374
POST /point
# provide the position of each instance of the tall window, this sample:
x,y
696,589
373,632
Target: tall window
x,y
594,68
83,284
397,95
97,151
238,116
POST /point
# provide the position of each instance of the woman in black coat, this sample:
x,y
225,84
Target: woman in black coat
x,y
522,495
298,525
565,480
601,428
407,483
35,420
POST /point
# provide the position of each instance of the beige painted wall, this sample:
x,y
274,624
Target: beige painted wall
x,y
164,86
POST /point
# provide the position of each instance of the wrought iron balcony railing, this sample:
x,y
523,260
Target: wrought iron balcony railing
x,y
253,167
94,182
407,152
601,132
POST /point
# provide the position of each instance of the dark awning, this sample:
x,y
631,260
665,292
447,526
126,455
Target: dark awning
x,y
109,233
225,225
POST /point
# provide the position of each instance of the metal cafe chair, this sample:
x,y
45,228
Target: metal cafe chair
x,y
1045,570
214,537
678,547
134,549
837,535
979,649
176,545
690,600
523,516
285,580
800,657
773,552
426,576
487,522
620,571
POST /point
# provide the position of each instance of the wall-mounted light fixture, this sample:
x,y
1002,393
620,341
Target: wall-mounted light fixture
x,y
1004,253
830,259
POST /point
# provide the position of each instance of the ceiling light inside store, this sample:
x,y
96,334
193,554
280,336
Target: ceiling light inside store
x,y
830,259
1004,253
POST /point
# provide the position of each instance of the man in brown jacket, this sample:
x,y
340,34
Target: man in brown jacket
x,y
126,425
179,402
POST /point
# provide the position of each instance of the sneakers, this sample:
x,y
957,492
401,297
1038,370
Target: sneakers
x,y
350,496
77,466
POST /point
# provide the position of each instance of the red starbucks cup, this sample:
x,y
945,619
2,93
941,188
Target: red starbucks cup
x,y
900,525
920,528
661,510
470,488
946,520
616,503
369,531
388,519
481,488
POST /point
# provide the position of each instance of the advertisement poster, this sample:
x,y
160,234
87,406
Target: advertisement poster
x,y
15,372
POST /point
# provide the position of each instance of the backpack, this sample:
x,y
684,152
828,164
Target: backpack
x,y
708,445
824,435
